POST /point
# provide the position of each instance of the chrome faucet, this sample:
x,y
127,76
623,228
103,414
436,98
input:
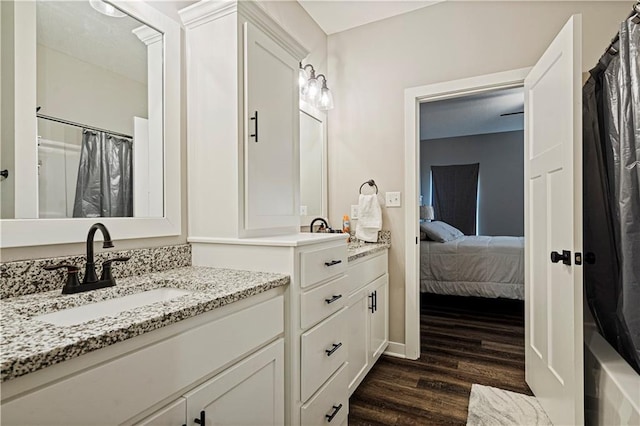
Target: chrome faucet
x,y
90,280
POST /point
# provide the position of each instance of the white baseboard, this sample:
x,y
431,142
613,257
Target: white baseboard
x,y
395,349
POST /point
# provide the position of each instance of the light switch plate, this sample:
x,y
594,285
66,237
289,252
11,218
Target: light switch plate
x,y
354,211
303,210
392,199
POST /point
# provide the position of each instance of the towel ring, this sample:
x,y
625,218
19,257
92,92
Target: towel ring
x,y
371,183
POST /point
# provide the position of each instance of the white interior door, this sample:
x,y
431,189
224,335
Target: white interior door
x,y
553,222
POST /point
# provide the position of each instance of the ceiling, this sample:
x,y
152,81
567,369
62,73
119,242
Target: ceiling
x,y
334,16
76,29
472,115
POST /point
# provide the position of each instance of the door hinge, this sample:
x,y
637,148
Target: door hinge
x,y
416,240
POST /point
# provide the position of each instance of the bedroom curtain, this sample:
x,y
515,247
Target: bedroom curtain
x,y
104,187
455,195
611,193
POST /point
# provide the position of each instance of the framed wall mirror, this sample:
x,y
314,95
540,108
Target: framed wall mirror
x,y
313,163
90,121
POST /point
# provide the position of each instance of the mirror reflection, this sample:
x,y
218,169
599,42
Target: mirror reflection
x,y
312,161
99,112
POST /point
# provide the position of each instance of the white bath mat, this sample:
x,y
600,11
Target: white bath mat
x,y
493,406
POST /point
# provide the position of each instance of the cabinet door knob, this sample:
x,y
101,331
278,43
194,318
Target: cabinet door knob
x,y
373,306
200,421
336,408
336,346
333,299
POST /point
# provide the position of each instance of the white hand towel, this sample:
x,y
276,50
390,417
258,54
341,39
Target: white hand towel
x,y
369,218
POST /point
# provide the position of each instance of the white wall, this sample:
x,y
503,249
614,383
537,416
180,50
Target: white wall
x,y
372,65
295,20
500,177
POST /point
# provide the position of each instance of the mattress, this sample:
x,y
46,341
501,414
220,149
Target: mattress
x,y
479,266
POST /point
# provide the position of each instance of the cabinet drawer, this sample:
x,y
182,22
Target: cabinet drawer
x,y
322,301
321,264
324,349
368,269
331,399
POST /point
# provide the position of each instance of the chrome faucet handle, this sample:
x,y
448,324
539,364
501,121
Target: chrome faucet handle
x,y
106,268
72,276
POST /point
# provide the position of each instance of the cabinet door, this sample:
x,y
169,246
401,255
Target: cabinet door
x,y
271,160
248,393
174,414
379,318
357,320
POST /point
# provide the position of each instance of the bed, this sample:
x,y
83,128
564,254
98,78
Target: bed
x,y
479,266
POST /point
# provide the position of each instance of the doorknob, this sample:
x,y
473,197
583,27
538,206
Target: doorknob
x,y
565,257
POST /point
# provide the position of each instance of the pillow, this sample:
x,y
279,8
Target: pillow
x,y
423,235
441,231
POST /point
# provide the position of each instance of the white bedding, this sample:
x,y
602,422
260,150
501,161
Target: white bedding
x,y
474,266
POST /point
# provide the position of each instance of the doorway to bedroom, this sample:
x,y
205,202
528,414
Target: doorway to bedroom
x,y
471,188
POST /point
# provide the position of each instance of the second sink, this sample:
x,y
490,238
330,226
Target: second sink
x,y
92,311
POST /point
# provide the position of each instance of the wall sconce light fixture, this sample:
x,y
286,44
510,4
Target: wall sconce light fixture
x,y
310,89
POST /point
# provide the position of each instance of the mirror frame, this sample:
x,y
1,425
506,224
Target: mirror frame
x,y
30,231
322,117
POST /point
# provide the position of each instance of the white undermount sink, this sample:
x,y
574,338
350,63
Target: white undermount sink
x,y
92,311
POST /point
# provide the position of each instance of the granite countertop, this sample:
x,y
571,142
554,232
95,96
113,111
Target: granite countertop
x,y
357,249
21,352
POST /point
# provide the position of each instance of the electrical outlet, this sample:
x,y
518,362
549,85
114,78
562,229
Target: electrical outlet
x,y
303,210
392,199
354,211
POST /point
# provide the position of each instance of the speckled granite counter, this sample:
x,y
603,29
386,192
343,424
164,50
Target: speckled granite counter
x,y
357,249
27,345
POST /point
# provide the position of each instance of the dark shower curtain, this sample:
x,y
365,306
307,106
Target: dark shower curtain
x,y
611,121
104,187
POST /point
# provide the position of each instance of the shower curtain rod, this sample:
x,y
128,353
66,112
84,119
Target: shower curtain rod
x,y
84,126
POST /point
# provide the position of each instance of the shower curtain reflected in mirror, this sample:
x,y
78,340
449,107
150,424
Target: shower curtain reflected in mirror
x,y
104,187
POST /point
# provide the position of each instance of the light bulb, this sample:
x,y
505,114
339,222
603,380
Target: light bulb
x,y
313,90
302,78
326,99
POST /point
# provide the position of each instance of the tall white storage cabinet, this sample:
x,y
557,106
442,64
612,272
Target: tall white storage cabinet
x,y
242,119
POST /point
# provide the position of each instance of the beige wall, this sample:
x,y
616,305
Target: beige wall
x,y
79,91
371,66
295,20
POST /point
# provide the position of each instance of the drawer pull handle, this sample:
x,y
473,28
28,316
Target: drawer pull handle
x,y
336,408
333,299
200,421
333,262
336,346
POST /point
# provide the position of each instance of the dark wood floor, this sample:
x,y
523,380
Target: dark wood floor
x,y
464,341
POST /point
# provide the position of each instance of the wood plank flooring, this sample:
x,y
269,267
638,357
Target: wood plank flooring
x,y
463,341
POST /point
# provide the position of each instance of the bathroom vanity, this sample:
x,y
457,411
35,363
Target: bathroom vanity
x,y
206,352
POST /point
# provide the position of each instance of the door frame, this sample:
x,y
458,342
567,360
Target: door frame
x,y
413,97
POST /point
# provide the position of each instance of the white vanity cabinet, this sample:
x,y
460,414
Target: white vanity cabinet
x,y
367,315
242,120
228,362
248,393
316,369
